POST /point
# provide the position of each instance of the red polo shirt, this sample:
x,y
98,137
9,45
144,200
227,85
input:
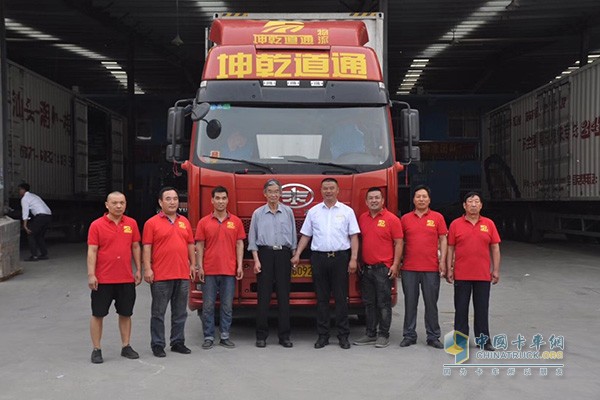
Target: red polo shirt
x,y
114,241
472,248
169,240
421,239
220,243
378,235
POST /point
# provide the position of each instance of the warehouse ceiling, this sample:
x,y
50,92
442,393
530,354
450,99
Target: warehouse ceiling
x,y
436,47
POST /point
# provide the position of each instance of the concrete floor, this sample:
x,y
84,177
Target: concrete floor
x,y
551,288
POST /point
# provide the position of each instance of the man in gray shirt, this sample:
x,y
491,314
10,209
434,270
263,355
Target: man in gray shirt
x,y
272,239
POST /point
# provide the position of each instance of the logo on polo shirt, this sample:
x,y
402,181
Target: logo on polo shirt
x,y
181,224
230,225
127,229
431,223
483,228
381,223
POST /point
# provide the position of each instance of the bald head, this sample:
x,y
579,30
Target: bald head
x,y
115,204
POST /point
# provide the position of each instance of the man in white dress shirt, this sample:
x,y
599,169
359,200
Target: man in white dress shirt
x,y
36,219
333,228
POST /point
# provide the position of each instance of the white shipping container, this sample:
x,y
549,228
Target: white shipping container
x,y
40,134
49,143
545,145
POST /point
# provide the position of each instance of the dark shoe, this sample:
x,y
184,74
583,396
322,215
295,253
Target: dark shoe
x,y
287,343
159,351
365,340
407,342
32,258
208,344
344,343
97,356
382,342
180,348
226,343
321,342
435,343
130,353
489,347
43,257
261,343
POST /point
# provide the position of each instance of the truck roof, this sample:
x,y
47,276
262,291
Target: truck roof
x,y
289,33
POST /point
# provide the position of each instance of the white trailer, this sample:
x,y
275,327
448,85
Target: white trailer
x,y
69,149
542,159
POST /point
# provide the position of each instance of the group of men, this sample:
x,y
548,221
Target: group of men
x,y
418,248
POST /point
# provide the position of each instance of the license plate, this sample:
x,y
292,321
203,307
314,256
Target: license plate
x,y
302,271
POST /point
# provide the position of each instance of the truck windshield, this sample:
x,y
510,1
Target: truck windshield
x,y
324,137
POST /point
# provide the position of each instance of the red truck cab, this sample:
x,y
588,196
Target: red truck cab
x,y
293,100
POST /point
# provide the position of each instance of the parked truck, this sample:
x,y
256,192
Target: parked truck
x,y
541,159
69,149
284,96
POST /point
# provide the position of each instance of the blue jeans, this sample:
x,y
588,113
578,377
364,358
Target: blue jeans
x,y
376,287
163,292
225,286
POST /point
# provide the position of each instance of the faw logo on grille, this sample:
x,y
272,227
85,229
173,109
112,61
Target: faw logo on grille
x,y
296,195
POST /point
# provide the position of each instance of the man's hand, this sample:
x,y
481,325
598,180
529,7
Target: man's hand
x,y
138,277
352,266
295,260
257,267
393,272
93,282
450,275
200,274
240,274
149,275
495,277
192,273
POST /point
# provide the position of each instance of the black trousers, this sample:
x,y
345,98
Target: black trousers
x,y
38,226
376,287
276,270
430,286
481,302
330,274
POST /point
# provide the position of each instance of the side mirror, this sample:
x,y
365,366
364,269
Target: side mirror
x,y
175,124
176,152
409,135
213,128
199,111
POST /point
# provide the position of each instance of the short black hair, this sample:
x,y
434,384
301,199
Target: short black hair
x,y
116,192
374,189
166,189
330,180
25,186
422,187
219,189
471,194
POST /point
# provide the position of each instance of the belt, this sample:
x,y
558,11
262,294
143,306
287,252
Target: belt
x,y
42,215
331,254
374,266
274,248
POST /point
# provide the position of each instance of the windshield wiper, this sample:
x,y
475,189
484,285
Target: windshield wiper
x,y
328,164
256,164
